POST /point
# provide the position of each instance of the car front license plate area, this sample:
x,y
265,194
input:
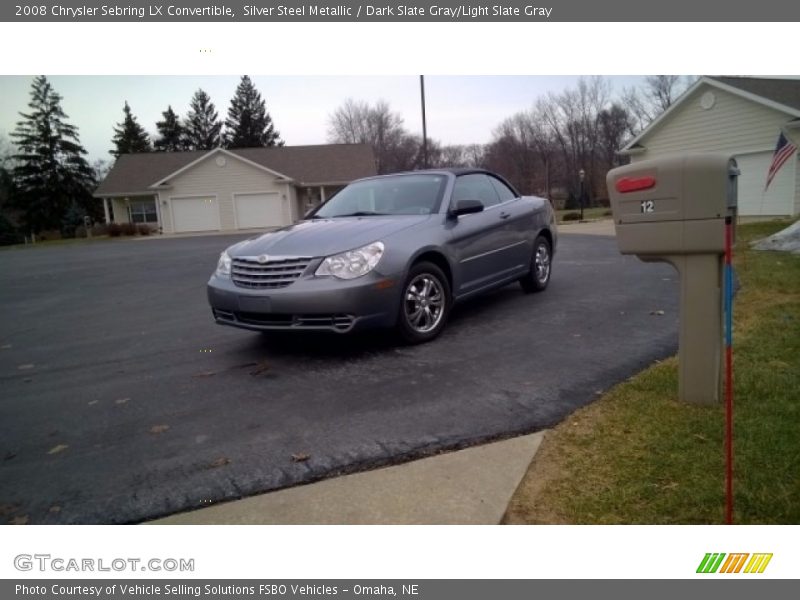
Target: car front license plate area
x,y
255,304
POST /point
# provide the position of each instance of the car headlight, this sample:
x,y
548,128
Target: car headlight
x,y
354,263
224,265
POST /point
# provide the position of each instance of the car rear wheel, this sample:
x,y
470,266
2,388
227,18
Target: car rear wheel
x,y
538,277
424,305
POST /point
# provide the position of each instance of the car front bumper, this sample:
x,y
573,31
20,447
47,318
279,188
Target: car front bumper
x,y
309,303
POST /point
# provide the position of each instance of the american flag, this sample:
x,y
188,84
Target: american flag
x,y
783,151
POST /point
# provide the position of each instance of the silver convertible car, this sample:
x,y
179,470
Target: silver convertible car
x,y
388,251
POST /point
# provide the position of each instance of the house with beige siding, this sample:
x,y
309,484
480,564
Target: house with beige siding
x,y
743,116
228,190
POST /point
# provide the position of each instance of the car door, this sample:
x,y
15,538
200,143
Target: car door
x,y
481,242
519,220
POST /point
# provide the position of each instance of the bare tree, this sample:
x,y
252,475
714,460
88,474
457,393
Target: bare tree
x,y
572,119
359,123
658,93
512,152
615,125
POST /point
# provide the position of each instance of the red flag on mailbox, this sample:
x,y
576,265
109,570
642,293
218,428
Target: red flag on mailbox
x,y
783,151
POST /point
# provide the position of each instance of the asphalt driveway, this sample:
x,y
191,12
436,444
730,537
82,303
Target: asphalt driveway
x,y
121,400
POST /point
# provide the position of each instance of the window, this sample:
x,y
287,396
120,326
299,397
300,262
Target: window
x,y
505,192
475,186
396,195
144,211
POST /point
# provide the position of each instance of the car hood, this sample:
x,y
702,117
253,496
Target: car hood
x,y
323,237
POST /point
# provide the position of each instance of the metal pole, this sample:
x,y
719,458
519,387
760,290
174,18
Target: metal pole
x,y
424,124
728,370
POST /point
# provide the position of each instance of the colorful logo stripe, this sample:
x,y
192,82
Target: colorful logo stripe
x,y
713,562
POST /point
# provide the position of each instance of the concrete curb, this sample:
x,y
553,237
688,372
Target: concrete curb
x,y
467,487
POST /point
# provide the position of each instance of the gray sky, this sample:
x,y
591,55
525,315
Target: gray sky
x,y
460,109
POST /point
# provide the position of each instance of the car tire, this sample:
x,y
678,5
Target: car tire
x,y
538,277
424,305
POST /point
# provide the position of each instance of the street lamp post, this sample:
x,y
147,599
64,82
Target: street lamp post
x,y
581,175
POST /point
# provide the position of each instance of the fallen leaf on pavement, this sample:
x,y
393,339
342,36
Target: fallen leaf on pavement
x,y
55,509
121,400
220,462
92,402
57,449
25,367
300,457
260,368
20,520
159,428
658,313
8,509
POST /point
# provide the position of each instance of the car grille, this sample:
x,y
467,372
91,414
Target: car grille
x,y
279,321
277,273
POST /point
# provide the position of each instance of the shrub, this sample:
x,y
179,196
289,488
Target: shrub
x,y
114,229
100,229
571,216
48,234
128,228
607,213
72,219
144,229
9,234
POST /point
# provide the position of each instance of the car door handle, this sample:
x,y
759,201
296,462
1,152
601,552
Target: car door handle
x,y
504,215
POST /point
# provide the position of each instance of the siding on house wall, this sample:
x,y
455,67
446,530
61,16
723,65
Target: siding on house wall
x,y
797,187
207,178
120,210
742,127
291,203
732,124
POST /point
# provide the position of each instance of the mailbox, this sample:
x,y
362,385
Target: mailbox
x,y
674,209
673,205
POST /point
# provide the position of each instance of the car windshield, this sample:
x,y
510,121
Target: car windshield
x,y
396,195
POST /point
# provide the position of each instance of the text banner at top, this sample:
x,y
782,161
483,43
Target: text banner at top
x,y
408,11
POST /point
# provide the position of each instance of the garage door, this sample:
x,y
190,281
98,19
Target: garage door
x,y
195,214
753,200
258,211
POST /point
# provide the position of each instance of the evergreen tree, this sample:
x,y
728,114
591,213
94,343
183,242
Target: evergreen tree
x,y
171,132
248,124
50,173
129,136
202,124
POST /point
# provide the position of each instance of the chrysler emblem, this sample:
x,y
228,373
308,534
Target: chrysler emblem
x,y
263,259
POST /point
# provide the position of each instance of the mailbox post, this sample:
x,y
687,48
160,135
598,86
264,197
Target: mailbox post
x,y
673,209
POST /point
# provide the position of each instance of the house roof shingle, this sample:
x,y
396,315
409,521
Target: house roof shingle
x,y
782,91
330,163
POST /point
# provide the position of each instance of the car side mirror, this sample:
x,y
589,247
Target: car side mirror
x,y
466,207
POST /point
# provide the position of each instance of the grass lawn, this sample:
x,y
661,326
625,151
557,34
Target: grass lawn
x,y
637,455
588,214
62,242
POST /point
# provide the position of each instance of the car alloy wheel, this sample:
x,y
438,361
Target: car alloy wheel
x,y
542,263
424,305
538,277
